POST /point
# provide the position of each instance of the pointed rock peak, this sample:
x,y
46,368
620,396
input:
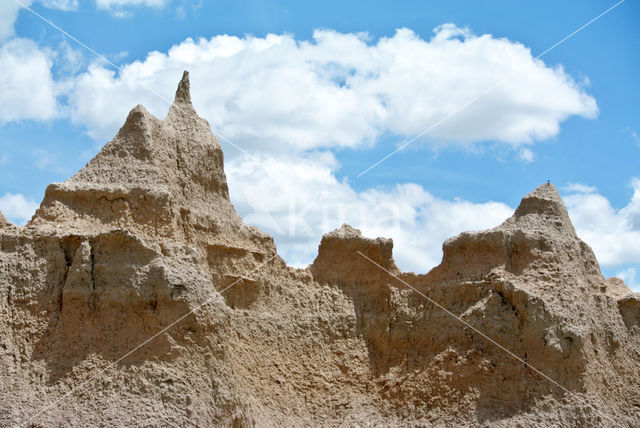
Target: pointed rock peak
x,y
137,119
3,220
545,203
546,191
182,111
543,200
183,93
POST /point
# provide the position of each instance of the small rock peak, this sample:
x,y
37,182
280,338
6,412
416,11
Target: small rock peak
x,y
353,237
137,117
344,232
545,202
3,220
340,257
546,191
183,93
137,126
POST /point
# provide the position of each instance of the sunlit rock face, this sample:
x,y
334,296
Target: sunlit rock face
x,y
137,296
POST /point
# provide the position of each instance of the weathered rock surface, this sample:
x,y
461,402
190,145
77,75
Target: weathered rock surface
x,y
144,243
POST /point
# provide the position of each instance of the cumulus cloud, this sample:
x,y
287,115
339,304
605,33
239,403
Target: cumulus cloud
x,y
343,90
614,234
297,200
17,208
27,88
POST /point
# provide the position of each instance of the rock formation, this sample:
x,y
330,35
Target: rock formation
x,y
137,296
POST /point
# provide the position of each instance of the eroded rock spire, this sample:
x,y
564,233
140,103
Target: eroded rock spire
x,y
183,93
155,178
544,208
182,114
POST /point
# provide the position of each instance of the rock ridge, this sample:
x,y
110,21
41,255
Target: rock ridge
x,y
145,234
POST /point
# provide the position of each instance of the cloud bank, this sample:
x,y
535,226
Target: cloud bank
x,y
297,200
342,90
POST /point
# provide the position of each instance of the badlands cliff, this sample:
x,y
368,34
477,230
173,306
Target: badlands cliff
x,y
136,296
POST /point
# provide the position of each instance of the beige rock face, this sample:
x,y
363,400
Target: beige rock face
x,y
144,240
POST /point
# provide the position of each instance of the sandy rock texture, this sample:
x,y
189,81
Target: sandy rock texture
x,y
136,296
3,221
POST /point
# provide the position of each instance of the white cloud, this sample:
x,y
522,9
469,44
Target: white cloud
x,y
614,234
17,208
341,90
27,88
579,188
298,199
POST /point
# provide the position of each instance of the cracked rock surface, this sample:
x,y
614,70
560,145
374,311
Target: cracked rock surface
x,y
145,235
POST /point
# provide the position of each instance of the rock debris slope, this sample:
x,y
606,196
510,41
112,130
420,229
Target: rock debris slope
x,y
145,233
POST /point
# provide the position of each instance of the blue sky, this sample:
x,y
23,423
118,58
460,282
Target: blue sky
x,y
316,92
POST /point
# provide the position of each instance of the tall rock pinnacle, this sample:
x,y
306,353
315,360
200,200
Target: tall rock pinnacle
x,y
183,93
182,110
156,177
